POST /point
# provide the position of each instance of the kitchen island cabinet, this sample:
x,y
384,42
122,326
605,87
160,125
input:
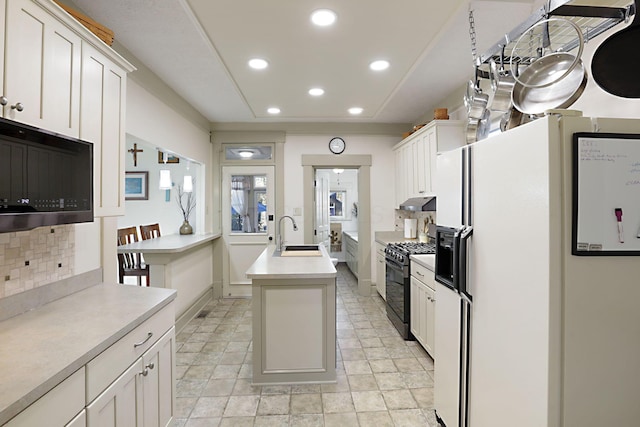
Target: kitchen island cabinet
x,y
294,318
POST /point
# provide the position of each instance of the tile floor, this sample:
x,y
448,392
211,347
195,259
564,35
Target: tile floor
x,y
382,379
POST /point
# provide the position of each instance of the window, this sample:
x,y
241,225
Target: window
x,y
337,204
249,203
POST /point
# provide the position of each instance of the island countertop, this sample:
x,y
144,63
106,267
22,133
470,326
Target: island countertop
x,y
268,266
172,243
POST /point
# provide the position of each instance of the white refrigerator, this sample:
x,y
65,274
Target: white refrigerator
x,y
548,330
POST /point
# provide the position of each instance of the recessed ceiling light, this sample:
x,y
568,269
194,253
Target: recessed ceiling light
x,y
379,65
273,110
323,17
355,110
316,91
258,63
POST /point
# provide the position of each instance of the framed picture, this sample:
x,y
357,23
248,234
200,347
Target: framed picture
x,y
136,186
170,158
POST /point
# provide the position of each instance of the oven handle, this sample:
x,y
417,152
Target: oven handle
x,y
393,264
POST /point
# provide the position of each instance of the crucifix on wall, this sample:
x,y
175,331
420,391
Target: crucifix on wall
x,y
135,152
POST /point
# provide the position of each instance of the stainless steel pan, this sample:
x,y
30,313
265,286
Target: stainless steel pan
x,y
502,85
533,94
475,101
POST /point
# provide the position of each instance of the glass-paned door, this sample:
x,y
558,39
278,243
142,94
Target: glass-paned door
x,y
247,217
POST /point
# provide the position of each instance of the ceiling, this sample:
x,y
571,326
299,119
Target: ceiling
x,y
200,49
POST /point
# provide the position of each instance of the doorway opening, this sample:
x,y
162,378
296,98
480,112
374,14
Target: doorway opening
x,y
336,207
362,165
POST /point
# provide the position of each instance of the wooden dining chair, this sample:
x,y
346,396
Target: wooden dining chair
x,y
150,231
131,264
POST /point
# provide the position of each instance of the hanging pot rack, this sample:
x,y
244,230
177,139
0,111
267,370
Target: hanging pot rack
x,y
592,21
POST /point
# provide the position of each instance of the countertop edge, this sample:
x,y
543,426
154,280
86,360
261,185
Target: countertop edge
x,y
151,247
13,409
420,259
261,268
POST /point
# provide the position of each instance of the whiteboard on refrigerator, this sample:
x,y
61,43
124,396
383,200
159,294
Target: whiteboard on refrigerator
x,y
606,194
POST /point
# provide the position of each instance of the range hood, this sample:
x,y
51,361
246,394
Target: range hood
x,y
419,204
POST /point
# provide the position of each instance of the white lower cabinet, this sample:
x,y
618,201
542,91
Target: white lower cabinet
x,y
351,253
143,394
118,404
158,388
62,406
79,421
423,306
381,271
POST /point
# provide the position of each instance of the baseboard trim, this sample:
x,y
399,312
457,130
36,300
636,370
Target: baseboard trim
x,y
193,311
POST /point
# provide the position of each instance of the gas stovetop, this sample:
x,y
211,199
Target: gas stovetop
x,y
414,248
400,251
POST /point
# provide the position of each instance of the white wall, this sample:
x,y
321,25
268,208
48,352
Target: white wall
x,y
157,208
152,121
382,175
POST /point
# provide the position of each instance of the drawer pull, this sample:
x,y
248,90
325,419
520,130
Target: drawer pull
x,y
138,344
419,274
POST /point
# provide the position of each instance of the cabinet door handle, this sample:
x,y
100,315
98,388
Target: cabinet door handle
x,y
3,100
17,106
145,372
138,344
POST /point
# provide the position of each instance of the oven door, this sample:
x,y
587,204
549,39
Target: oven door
x,y
396,288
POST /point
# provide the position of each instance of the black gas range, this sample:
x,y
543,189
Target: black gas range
x,y
401,251
398,282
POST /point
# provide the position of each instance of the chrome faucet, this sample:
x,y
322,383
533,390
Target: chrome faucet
x,y
280,242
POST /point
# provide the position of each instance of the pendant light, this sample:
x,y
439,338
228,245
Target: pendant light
x,y
187,184
165,175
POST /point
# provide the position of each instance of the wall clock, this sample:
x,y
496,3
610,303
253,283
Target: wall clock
x,y
337,145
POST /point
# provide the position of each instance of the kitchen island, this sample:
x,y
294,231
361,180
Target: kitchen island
x,y
294,318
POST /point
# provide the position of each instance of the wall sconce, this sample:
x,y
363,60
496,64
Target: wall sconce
x,y
165,175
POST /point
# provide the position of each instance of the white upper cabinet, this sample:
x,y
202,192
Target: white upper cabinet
x,y
60,77
415,157
41,69
102,119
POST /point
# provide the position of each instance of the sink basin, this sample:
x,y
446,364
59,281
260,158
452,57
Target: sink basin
x,y
301,250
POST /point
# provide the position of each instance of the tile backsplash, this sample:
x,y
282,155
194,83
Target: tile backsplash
x,y
29,259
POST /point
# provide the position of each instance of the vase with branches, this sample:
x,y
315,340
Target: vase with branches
x,y
187,203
